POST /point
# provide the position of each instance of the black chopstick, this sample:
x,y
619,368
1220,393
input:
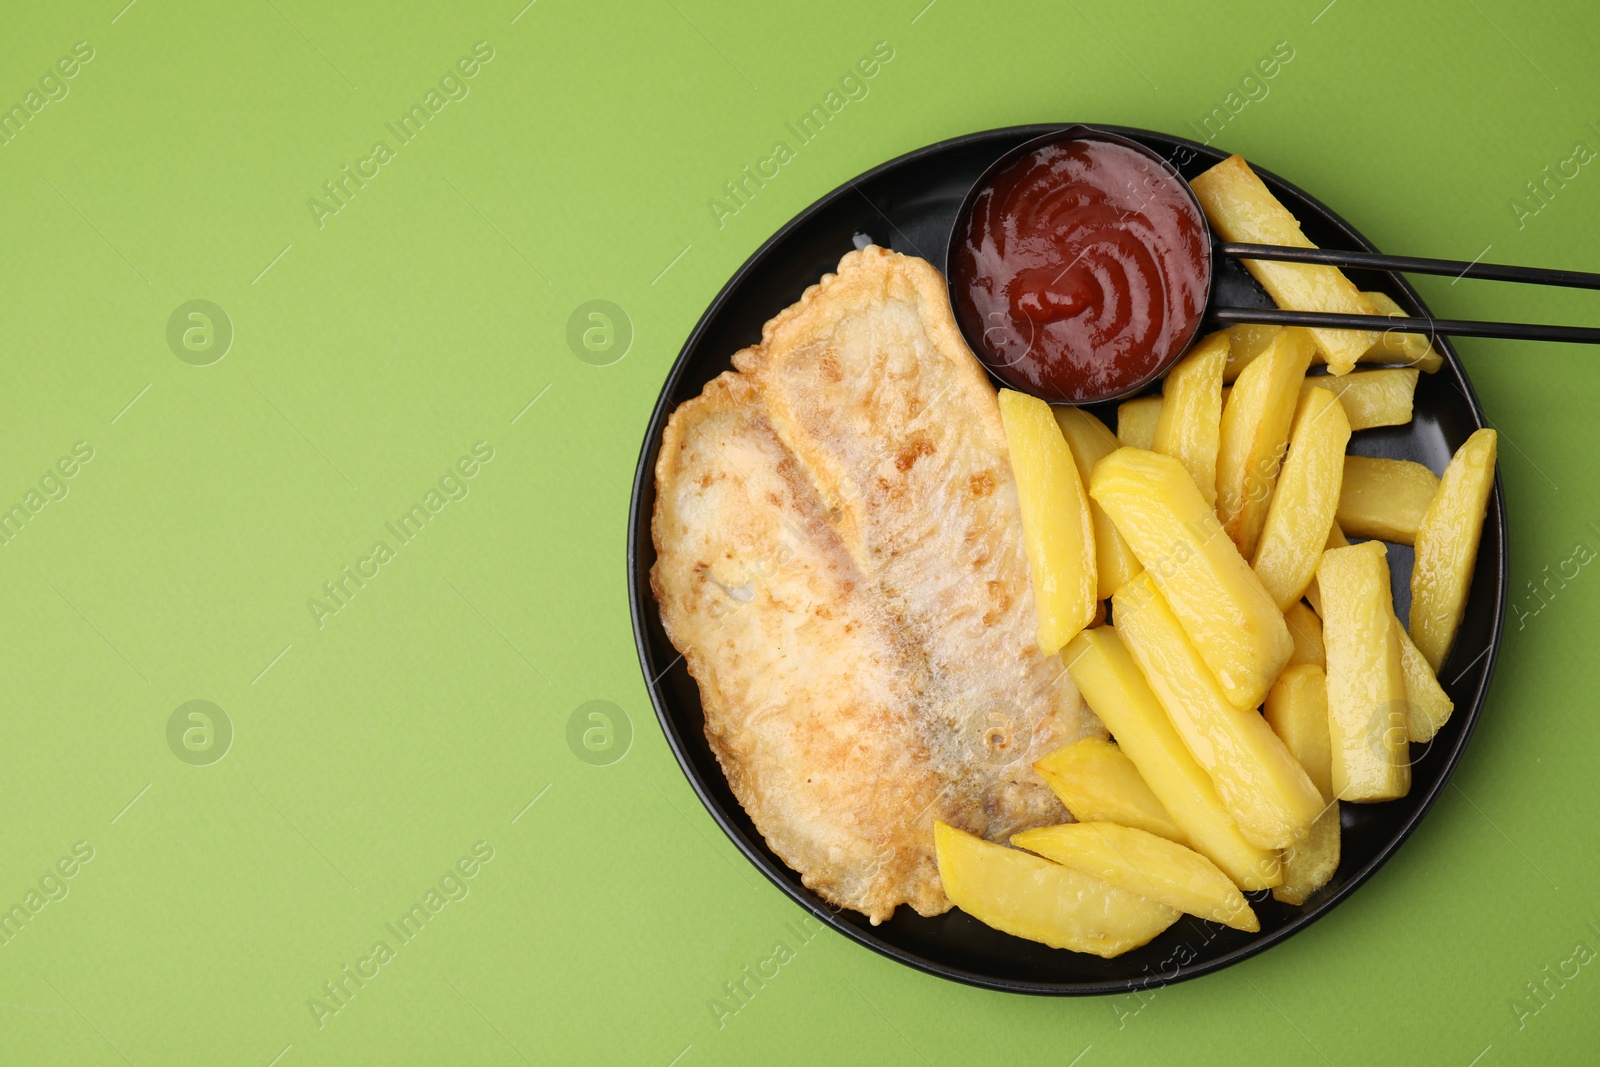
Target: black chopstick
x,y
1519,331
1495,272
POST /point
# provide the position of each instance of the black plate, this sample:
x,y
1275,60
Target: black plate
x,y
909,204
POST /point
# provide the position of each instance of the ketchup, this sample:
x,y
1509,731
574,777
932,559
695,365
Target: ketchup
x,y
1082,268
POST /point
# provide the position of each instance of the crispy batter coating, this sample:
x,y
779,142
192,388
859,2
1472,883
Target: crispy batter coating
x,y
839,558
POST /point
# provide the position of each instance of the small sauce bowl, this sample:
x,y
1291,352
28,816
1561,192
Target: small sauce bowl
x,y
1079,266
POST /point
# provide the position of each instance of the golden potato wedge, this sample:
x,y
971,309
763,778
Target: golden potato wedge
x,y
1305,627
1310,864
1136,421
1392,346
1091,441
1255,435
1371,397
1057,529
1142,863
1307,495
1246,341
1447,547
1264,789
1336,539
1250,340
1297,711
1025,896
1232,620
1097,783
1366,684
1242,208
1117,692
1428,706
1189,426
1384,499
1139,421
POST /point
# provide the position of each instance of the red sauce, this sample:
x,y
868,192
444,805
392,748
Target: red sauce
x,y
1083,267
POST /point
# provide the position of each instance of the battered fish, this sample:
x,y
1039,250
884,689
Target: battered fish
x,y
839,558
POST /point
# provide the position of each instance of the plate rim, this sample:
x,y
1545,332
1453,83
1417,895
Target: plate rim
x,y
639,602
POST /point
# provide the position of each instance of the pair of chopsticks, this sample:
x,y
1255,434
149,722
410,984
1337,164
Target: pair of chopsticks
x,y
1523,331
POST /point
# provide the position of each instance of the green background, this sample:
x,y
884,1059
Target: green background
x,y
372,752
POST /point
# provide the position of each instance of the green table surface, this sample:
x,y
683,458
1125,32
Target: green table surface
x,y
180,481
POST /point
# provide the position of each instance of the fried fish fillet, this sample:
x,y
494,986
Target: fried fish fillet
x,y
839,558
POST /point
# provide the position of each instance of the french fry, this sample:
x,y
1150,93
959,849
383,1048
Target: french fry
x,y
1371,397
1336,539
1057,530
1447,547
1247,340
1136,421
1142,863
1189,427
1301,513
1392,346
1255,434
1141,417
1250,340
1097,783
1258,781
1428,707
1091,441
1384,499
1297,711
1366,684
1238,630
1311,864
1241,208
1026,896
1117,692
1306,629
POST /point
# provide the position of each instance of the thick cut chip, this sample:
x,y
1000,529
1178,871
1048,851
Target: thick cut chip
x,y
1247,341
1091,441
1136,421
1392,346
1366,684
1336,539
1384,499
1143,863
1117,691
1057,529
1025,896
1190,424
1242,208
1297,711
1255,435
1264,789
1098,783
1371,397
1428,706
1447,547
1303,505
1224,608
1311,864
1306,629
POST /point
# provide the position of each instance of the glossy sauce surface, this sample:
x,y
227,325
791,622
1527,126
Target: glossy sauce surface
x,y
1083,266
